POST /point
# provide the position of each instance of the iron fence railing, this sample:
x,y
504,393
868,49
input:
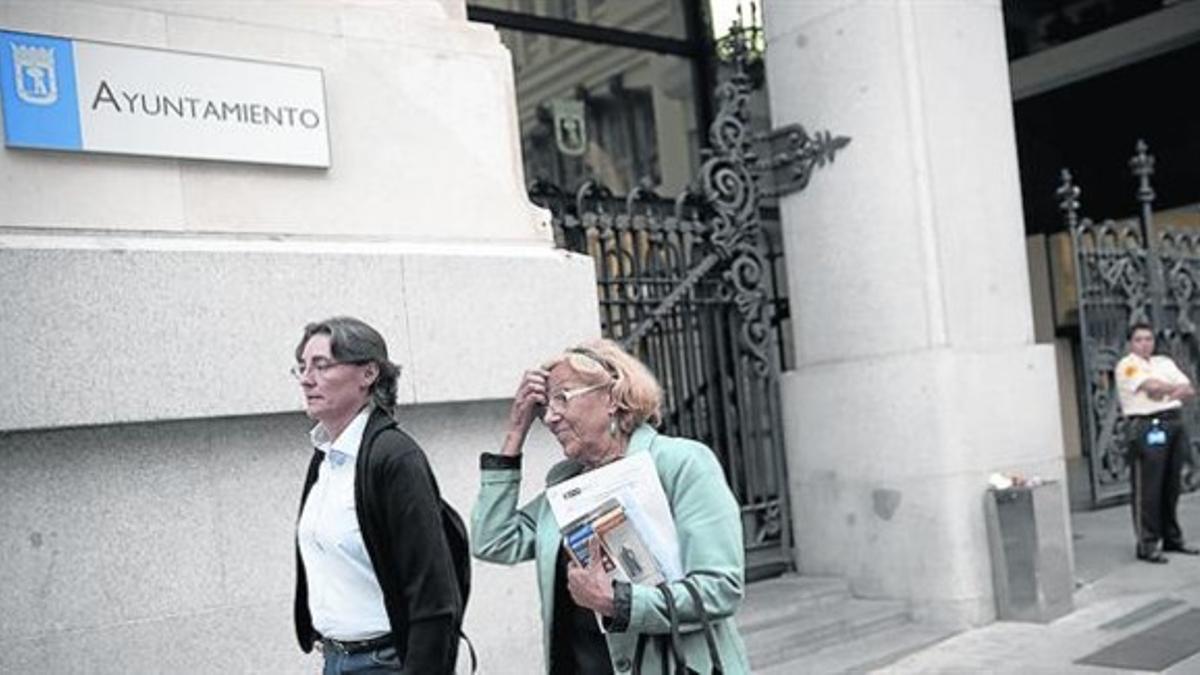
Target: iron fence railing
x,y
1129,271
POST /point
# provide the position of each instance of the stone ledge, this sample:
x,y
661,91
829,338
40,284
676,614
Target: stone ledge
x,y
146,330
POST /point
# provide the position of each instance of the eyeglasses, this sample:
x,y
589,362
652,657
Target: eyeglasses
x,y
558,402
318,367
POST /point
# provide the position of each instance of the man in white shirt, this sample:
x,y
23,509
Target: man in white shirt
x,y
1152,389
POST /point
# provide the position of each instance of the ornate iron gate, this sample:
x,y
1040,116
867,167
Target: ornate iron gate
x,y
692,287
1129,271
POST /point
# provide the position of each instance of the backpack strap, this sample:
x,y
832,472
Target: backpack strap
x,y
470,650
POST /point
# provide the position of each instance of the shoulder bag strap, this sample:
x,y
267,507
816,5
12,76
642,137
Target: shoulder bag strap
x,y
639,653
713,654
671,643
676,642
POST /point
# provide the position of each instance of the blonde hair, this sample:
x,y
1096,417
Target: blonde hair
x,y
635,390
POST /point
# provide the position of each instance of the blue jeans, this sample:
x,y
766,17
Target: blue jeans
x,y
384,660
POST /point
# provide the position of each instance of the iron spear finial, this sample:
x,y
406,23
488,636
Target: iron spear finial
x,y
1068,198
1142,166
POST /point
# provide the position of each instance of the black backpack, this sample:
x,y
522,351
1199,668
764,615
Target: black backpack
x,y
460,553
455,532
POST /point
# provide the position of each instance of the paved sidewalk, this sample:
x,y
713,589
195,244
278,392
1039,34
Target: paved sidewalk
x,y
1111,587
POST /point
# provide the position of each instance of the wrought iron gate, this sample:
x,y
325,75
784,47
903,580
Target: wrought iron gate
x,y
1129,271
692,287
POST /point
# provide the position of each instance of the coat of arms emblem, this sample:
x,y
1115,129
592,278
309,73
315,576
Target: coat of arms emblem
x,y
33,68
570,130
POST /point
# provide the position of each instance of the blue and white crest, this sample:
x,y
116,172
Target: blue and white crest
x,y
33,70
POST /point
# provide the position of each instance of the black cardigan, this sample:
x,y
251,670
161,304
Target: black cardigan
x,y
398,506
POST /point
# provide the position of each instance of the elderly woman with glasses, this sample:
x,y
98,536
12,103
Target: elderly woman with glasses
x,y
375,586
600,403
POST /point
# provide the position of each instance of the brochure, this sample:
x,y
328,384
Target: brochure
x,y
623,505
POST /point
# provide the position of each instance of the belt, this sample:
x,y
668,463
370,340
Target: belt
x,y
1162,415
356,646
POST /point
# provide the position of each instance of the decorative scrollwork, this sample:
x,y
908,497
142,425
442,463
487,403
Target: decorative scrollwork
x,y
766,522
591,190
730,188
728,182
1181,284
795,155
729,191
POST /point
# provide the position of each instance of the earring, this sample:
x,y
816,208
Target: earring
x,y
612,426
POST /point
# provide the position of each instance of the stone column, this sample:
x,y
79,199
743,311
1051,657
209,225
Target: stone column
x,y
916,370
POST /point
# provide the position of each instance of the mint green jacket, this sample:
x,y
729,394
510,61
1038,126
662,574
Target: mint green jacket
x,y
708,521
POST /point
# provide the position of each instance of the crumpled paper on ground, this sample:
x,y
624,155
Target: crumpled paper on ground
x,y
1005,481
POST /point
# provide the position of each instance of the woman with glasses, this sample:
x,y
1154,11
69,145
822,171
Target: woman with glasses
x,y
601,404
375,586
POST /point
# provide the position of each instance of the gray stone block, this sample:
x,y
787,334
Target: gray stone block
x,y
140,333
1031,567
168,547
235,639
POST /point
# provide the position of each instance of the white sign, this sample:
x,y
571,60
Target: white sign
x,y
75,95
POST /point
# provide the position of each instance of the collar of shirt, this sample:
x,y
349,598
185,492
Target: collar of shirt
x,y
1155,363
348,441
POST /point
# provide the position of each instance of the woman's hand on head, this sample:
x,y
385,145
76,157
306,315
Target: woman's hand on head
x,y
527,406
590,586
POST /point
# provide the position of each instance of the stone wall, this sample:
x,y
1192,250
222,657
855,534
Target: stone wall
x,y
168,547
150,434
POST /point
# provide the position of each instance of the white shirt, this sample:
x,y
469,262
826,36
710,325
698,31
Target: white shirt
x,y
1132,371
343,594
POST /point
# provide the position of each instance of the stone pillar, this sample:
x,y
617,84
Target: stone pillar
x,y
916,370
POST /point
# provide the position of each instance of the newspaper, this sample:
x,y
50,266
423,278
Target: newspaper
x,y
623,505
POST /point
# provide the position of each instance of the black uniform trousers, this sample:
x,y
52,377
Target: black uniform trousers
x,y
1155,475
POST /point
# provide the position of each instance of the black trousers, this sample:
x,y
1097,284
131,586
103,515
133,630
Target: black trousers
x,y
1154,475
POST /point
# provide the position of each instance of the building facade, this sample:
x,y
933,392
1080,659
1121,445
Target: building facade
x,y
152,437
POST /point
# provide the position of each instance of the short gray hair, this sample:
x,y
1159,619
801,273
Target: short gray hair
x,y
354,341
